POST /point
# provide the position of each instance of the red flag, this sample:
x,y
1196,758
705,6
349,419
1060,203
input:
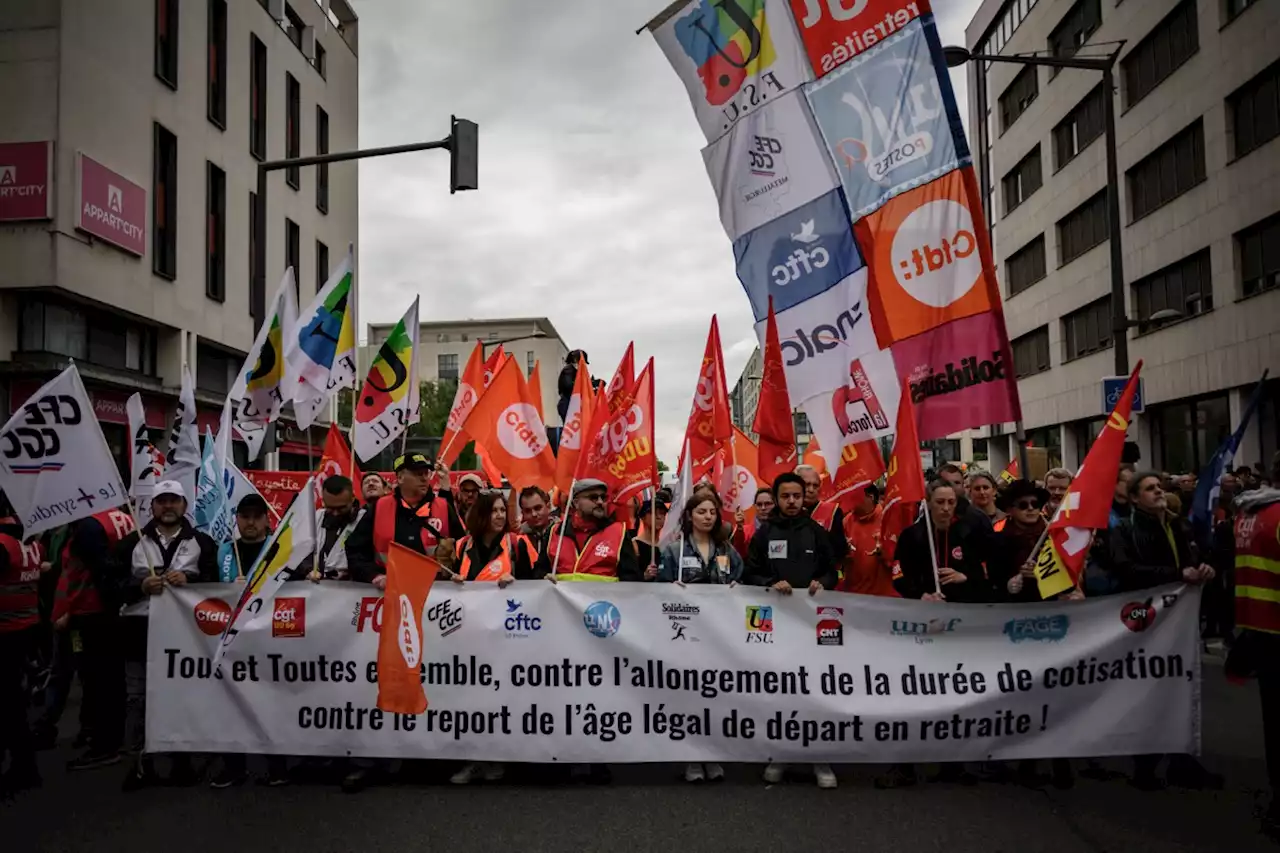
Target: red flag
x,y
464,399
860,464
624,378
535,388
620,444
905,482
737,475
773,423
336,459
506,423
709,420
814,458
577,420
400,653
1010,472
1087,506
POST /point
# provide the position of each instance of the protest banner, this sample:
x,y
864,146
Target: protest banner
x,y
654,672
55,467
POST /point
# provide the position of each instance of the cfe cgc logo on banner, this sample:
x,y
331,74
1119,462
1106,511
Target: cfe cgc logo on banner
x,y
289,617
830,629
446,616
602,619
759,623
680,616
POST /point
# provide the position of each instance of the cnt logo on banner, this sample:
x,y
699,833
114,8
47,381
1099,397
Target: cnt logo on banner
x,y
55,466
847,188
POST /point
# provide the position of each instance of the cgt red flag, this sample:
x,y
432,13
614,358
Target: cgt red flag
x,y
860,464
619,448
904,485
336,459
400,652
710,424
624,379
773,422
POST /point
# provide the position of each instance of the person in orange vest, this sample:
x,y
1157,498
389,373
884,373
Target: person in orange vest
x,y
864,569
412,515
490,551
1256,651
590,544
20,566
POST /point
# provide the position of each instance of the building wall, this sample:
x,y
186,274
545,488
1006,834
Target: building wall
x,y
1224,349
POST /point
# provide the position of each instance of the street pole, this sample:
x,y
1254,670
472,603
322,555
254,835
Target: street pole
x,y
1119,315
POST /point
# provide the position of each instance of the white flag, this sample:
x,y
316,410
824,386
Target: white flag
x,y
261,386
253,435
321,351
683,491
146,462
182,462
55,466
389,400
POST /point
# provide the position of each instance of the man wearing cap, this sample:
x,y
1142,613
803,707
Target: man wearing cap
x,y
253,524
469,488
413,515
591,545
167,552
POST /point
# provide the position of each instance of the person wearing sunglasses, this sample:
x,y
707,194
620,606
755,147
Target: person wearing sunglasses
x,y
590,544
1013,570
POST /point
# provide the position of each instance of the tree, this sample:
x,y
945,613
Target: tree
x,y
662,467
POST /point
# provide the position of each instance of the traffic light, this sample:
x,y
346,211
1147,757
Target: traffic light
x,y
464,166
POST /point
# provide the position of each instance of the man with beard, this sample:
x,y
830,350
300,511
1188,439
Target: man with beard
x,y
469,488
537,520
335,522
591,545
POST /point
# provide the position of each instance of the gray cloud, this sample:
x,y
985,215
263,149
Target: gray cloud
x,y
594,207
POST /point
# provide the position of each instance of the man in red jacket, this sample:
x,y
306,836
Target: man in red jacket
x,y
19,620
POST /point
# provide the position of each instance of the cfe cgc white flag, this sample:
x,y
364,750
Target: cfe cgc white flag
x,y
55,466
182,462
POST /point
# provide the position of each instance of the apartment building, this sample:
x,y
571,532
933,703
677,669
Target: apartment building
x,y
128,155
744,399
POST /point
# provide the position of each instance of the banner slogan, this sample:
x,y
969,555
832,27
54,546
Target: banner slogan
x,y
619,673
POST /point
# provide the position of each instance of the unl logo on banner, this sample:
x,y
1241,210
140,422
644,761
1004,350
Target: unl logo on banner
x,y
289,618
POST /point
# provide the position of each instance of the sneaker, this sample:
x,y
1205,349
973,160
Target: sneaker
x,y
276,777
227,778
468,774
183,774
713,772
897,776
93,758
492,771
355,781
826,778
141,775
693,773
774,772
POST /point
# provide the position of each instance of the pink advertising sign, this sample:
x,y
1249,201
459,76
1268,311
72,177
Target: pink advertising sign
x,y
26,181
110,207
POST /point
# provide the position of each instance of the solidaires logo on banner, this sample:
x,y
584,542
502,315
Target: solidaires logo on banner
x,y
885,120
835,31
770,164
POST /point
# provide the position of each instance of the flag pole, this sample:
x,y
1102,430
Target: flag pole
x,y
933,547
358,382
564,522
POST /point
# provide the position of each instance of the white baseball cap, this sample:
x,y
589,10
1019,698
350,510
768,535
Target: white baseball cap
x,y
168,487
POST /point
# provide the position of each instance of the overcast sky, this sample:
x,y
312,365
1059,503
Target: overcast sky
x,y
594,208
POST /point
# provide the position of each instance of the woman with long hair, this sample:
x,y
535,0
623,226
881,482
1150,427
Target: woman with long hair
x,y
649,521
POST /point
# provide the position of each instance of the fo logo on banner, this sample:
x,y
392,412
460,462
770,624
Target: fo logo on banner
x,y
212,616
759,623
520,431
602,619
289,617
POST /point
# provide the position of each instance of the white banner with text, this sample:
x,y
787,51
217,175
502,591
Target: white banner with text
x,y
595,672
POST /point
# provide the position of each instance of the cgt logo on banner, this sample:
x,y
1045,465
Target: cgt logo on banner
x,y
289,617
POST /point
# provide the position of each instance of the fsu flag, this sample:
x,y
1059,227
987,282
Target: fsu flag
x,y
624,378
620,444
773,423
1087,506
389,400
400,654
506,422
709,420
577,419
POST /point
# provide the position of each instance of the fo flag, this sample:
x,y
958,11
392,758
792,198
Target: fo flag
x,y
55,466
1087,506
400,653
506,422
389,400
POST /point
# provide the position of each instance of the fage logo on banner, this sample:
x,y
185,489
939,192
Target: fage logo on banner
x,y
835,31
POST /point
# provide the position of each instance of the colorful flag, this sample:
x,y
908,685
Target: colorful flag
x,y
1010,472
814,457
210,496
738,477
859,465
266,380
389,400
1209,484
679,498
470,385
1087,506
535,388
400,652
506,422
322,352
774,422
709,420
624,378
578,417
292,542
55,466
492,473
182,462
146,463
905,480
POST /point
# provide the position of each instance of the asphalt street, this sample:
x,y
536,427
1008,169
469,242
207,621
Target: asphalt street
x,y
647,808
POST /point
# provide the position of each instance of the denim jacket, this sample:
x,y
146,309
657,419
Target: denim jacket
x,y
724,567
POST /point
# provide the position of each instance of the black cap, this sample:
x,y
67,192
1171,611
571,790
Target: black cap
x,y
412,460
252,504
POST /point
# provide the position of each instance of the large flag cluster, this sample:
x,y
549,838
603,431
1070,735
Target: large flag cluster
x,y
846,187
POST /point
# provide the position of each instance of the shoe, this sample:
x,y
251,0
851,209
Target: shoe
x,y
492,771
693,773
355,781
1062,776
183,775
468,774
774,772
141,775
826,778
897,776
227,778
1191,774
276,778
713,772
93,758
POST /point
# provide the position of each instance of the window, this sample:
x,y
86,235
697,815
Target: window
x,y
1022,180
1082,229
1187,433
292,129
1026,266
1235,7
1259,247
93,336
1018,96
980,450
322,169
1173,41
1255,111
164,201
216,369
1082,125
447,367
802,423
293,249
321,62
529,362
1087,330
1167,172
167,42
257,98
322,265
253,251
215,268
293,26
442,339
1031,353
217,96
462,336
1001,31
1075,28
1185,286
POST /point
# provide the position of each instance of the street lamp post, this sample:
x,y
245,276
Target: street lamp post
x,y
535,334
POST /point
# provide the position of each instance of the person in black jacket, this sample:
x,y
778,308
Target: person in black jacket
x,y
1012,568
962,547
568,376
1149,549
834,524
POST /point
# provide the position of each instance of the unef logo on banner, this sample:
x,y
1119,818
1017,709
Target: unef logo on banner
x,y
110,206
26,180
